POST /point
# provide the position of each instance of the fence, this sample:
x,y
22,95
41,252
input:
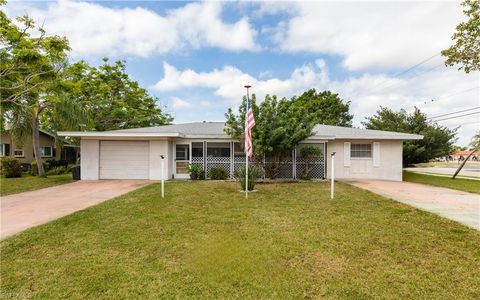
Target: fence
x,y
229,157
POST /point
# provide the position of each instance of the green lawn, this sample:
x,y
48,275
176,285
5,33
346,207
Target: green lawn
x,y
28,183
204,240
467,185
445,164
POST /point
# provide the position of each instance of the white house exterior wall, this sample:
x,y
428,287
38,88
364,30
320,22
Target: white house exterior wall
x,y
390,158
89,159
158,148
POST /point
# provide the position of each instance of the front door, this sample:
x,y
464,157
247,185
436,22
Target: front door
x,y
182,159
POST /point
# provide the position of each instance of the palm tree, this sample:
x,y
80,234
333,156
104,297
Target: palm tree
x,y
25,116
31,81
474,146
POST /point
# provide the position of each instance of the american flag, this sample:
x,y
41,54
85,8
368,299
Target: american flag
x,y
249,124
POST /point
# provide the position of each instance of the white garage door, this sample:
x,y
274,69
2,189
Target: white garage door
x,y
124,159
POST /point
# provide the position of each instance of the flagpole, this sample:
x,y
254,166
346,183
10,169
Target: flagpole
x,y
246,154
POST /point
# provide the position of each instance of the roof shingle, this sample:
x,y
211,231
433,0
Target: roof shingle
x,y
216,130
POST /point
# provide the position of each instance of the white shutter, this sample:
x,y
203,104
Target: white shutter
x,y
376,154
346,154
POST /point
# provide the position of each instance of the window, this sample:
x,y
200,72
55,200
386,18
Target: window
x,y
361,150
18,153
218,149
237,150
46,151
181,152
4,150
197,149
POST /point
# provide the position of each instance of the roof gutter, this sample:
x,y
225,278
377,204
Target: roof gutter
x,y
93,134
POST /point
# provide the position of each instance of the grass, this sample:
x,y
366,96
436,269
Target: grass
x,y
461,184
26,183
445,164
204,240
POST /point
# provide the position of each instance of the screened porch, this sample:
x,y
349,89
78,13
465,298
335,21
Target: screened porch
x,y
230,157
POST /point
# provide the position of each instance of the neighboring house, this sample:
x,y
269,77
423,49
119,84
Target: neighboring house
x,y
24,152
461,155
136,153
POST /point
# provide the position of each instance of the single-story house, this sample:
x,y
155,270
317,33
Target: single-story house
x,y
461,155
136,153
24,152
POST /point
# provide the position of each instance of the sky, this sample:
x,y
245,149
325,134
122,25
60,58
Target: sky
x,y
197,56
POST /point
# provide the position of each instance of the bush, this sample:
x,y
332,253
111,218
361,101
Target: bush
x,y
57,171
34,169
10,167
69,167
52,164
254,173
218,174
196,172
310,154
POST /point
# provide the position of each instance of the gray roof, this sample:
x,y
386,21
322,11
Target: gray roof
x,y
216,130
358,133
188,129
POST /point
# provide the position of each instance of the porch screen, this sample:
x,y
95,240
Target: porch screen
x,y
218,156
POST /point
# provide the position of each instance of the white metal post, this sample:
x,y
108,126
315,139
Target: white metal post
x,y
332,179
246,177
162,176
246,154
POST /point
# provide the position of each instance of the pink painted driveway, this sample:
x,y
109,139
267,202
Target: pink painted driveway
x,y
24,210
455,205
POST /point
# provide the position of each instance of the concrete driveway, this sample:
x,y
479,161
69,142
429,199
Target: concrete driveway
x,y
455,205
25,210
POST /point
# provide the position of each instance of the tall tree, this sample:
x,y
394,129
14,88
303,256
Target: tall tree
x,y
29,68
109,94
437,140
280,126
466,50
475,142
325,107
474,146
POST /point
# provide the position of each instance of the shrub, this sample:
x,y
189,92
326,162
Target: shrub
x,y
10,167
310,154
254,173
58,171
34,169
69,168
218,174
52,163
196,172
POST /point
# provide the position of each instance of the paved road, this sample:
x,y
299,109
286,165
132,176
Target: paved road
x,y
25,210
471,172
455,205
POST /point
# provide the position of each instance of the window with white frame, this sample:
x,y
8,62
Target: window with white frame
x,y
182,152
46,151
2,150
361,150
18,153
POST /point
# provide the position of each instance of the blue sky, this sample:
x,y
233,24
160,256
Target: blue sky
x,y
196,56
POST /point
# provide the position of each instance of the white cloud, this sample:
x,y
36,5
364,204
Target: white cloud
x,y
451,90
178,103
228,82
94,29
376,35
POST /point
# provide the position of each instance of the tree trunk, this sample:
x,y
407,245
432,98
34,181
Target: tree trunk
x,y
308,164
36,147
463,164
